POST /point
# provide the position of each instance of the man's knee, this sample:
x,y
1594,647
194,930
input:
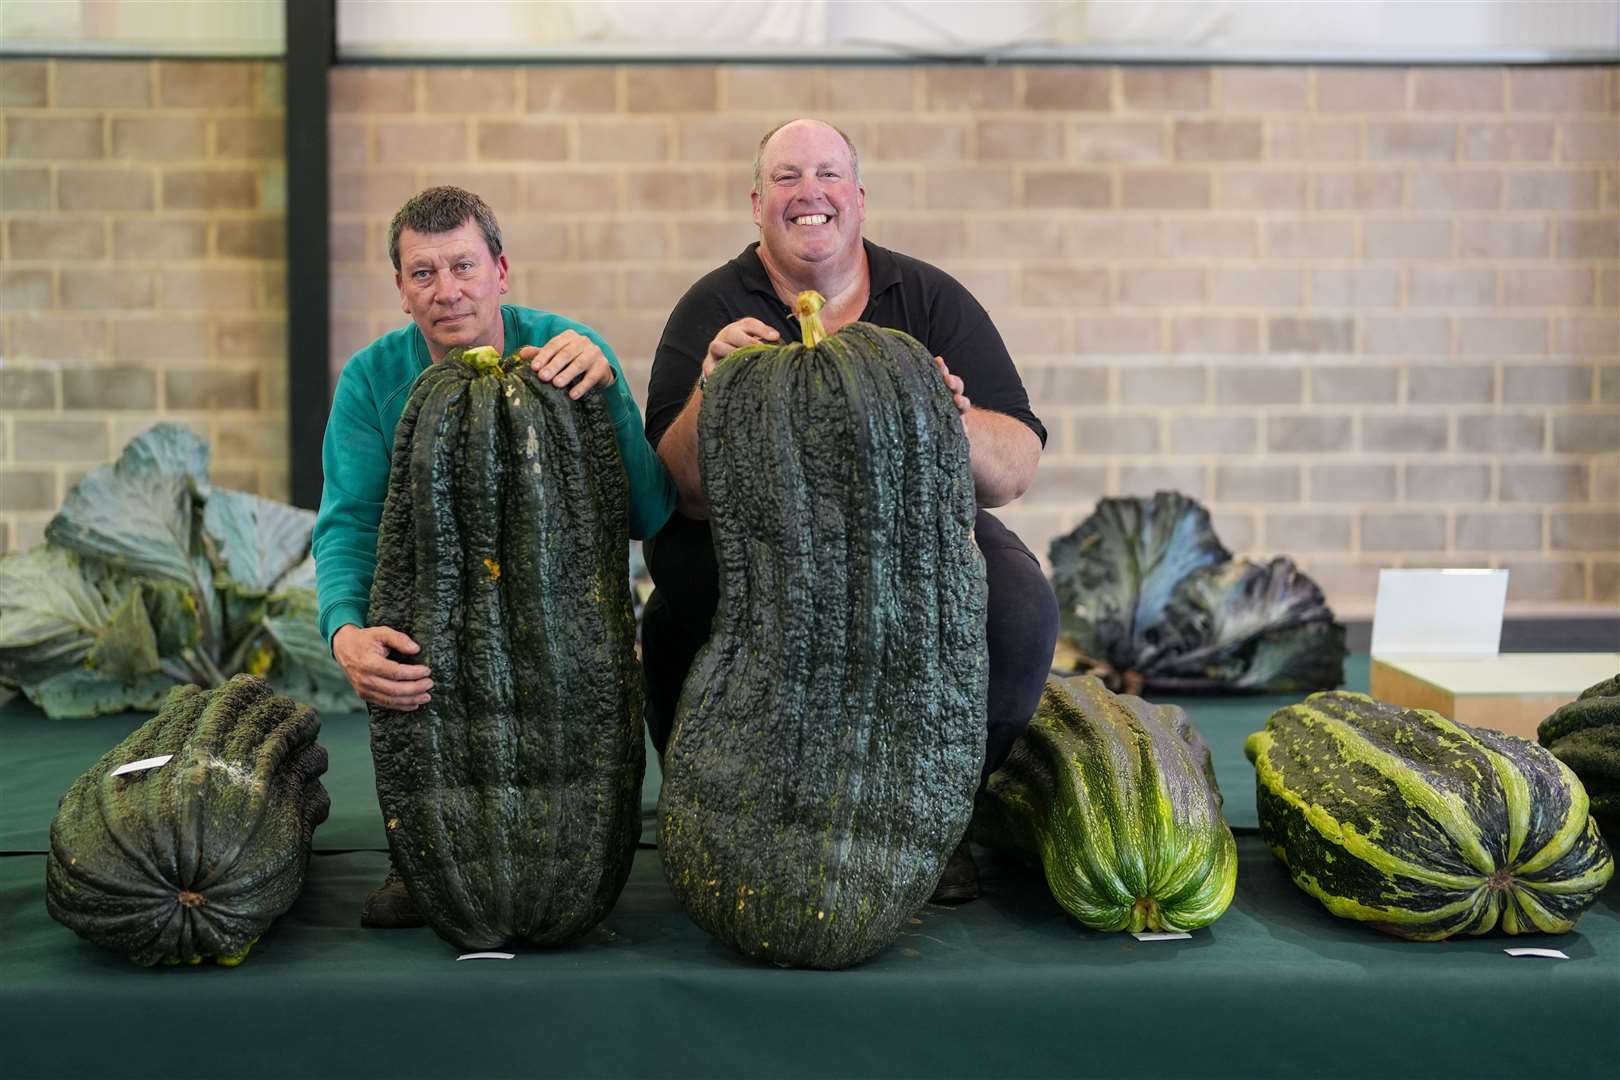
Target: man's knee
x,y
1022,620
1021,628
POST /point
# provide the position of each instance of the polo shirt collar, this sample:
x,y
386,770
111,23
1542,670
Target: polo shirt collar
x,y
880,263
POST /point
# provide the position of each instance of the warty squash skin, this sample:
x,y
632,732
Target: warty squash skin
x,y
1421,826
1117,799
1585,735
194,859
512,798
830,736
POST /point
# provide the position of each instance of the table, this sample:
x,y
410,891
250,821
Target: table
x,y
1007,986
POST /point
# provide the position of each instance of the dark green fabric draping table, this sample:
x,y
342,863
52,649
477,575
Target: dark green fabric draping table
x,y
1008,986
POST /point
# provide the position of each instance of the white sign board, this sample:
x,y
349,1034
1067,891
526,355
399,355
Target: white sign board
x,y
1439,612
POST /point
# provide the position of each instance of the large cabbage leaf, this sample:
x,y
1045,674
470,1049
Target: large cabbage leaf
x,y
59,611
255,541
1252,626
138,514
301,576
82,693
1115,574
303,666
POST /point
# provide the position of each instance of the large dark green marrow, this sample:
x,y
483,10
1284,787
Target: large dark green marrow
x,y
512,799
1117,799
830,735
1422,826
193,859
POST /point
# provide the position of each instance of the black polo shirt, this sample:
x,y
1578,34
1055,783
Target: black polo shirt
x,y
906,294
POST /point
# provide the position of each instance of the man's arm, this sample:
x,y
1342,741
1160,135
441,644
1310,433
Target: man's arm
x,y
354,457
679,451
1003,454
679,446
1002,451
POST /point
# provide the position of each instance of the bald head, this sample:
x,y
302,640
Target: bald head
x,y
764,144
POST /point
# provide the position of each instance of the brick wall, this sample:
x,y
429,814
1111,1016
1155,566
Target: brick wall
x,y
1368,315
141,217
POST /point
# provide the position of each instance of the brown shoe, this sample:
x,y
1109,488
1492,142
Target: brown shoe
x,y
390,907
960,881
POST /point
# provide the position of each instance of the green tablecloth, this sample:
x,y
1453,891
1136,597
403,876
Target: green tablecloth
x,y
1007,986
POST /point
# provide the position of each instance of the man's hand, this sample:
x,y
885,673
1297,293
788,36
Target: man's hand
x,y
954,384
570,357
734,336
362,653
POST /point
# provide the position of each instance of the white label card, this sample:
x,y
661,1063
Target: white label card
x,y
1548,954
484,956
1439,612
1168,935
143,764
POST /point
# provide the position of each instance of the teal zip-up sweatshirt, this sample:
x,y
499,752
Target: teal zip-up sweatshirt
x,y
370,398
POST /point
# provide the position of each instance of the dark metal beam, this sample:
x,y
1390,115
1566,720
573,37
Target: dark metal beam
x,y
311,51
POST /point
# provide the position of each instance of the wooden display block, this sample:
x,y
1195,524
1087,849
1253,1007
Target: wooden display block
x,y
1511,692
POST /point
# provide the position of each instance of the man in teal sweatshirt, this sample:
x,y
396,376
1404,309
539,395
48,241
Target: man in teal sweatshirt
x,y
451,272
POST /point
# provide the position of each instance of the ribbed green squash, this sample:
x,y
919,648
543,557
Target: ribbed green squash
x,y
1585,735
1118,800
1421,826
830,735
194,859
512,799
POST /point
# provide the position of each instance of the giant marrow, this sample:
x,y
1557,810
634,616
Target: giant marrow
x,y
829,737
512,799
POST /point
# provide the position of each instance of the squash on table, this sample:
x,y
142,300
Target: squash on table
x,y
512,798
1117,799
192,859
1422,826
829,737
1585,735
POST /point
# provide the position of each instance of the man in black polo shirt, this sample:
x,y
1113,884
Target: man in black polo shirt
x,y
809,205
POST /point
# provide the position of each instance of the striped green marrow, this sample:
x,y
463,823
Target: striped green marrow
x,y
829,737
1585,735
193,859
512,799
1118,800
1424,827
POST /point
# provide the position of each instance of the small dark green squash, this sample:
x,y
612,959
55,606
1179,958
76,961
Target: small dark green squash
x,y
1117,800
194,859
1585,735
830,735
1425,827
512,799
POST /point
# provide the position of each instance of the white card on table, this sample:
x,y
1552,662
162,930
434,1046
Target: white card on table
x,y
1550,954
1439,612
143,764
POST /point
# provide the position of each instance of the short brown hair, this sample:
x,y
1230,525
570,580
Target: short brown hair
x,y
759,154
441,210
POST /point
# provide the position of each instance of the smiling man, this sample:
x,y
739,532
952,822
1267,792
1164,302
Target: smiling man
x,y
809,205
451,272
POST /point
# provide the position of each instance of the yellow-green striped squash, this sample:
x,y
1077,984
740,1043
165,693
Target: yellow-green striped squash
x,y
1424,827
1117,799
